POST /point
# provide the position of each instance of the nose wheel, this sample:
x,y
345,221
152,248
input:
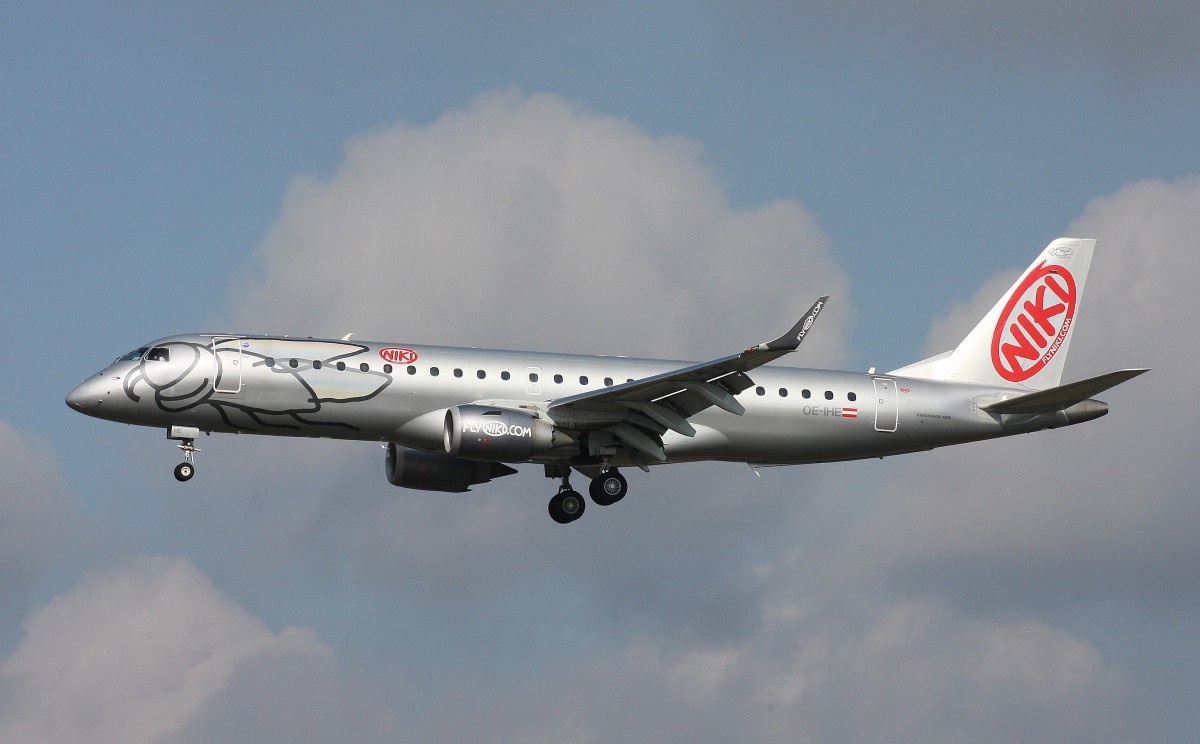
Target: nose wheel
x,y
184,471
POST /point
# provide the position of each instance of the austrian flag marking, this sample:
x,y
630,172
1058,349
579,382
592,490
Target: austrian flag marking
x,y
849,413
398,356
1034,323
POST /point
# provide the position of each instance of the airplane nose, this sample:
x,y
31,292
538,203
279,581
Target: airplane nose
x,y
89,394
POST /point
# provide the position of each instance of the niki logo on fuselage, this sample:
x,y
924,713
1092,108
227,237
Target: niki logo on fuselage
x,y
1034,323
397,355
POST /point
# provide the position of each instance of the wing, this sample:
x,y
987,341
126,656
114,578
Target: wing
x,y
636,414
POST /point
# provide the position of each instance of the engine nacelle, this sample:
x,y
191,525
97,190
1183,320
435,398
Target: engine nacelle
x,y
429,471
489,433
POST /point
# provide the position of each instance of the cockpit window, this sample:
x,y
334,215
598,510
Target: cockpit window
x,y
132,356
159,354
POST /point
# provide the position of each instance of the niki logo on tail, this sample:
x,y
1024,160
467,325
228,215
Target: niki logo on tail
x,y
1034,323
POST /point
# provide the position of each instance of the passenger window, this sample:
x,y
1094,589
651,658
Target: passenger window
x,y
387,369
159,354
364,367
269,362
457,372
760,390
805,394
608,382
293,363
533,376
782,392
481,374
434,372
316,364
558,379
412,370
828,395
583,379
341,366
851,397
505,375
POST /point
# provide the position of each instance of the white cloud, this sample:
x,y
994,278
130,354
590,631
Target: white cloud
x,y
149,650
530,222
36,522
817,671
520,222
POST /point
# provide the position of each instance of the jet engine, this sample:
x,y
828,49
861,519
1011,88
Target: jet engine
x,y
487,433
429,471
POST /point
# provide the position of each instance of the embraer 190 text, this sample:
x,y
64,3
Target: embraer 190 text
x,y
451,418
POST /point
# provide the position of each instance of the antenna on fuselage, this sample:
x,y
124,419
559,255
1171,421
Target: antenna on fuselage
x,y
347,336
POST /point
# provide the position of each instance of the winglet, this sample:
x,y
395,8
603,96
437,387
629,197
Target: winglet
x,y
791,340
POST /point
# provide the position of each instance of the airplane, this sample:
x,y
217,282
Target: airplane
x,y
451,418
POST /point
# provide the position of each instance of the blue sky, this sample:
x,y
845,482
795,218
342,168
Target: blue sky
x,y
701,174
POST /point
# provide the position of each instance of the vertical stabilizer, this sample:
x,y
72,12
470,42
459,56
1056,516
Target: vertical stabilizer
x,y
1023,340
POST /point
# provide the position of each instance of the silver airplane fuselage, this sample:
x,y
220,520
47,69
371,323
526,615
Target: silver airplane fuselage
x,y
344,390
453,417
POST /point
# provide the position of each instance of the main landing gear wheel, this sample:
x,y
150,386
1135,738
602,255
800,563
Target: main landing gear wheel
x,y
608,488
566,506
184,471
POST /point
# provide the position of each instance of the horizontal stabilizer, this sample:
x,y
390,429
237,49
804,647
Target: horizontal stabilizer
x,y
1063,396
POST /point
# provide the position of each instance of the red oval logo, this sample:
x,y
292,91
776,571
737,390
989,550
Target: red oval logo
x,y
398,356
1034,323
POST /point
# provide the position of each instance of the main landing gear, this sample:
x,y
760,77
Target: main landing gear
x,y
605,489
187,442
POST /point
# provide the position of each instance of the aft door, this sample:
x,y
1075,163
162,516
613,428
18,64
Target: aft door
x,y
886,413
227,361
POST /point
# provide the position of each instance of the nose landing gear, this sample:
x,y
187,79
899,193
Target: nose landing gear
x,y
187,442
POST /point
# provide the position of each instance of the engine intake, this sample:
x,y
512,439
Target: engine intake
x,y
488,433
429,471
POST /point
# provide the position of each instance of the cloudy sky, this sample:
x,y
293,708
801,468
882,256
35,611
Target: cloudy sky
x,y
658,179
